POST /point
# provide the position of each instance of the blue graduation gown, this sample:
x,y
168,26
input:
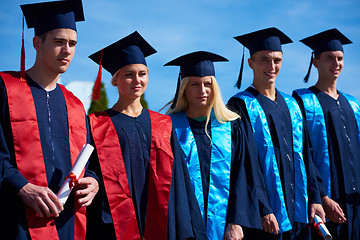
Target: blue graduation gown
x,y
279,121
344,158
184,217
245,175
53,128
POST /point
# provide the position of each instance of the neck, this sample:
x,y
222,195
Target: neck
x,y
327,86
196,112
132,108
268,91
44,78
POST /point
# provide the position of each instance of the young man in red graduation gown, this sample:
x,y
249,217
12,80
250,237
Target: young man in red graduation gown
x,y
44,127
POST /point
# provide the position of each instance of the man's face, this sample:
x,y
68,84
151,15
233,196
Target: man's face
x,y
329,64
56,50
266,66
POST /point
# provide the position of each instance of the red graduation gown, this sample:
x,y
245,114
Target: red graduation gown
x,y
27,145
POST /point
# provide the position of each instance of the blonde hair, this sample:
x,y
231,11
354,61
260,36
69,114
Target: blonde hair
x,y
222,113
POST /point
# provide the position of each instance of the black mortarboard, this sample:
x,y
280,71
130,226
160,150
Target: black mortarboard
x,y
47,16
196,64
329,40
269,39
131,49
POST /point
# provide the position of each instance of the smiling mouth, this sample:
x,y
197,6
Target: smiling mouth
x,y
270,74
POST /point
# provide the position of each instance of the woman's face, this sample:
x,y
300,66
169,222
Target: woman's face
x,y
132,80
199,92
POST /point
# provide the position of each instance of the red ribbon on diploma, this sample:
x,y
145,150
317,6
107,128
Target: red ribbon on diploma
x,y
317,227
73,180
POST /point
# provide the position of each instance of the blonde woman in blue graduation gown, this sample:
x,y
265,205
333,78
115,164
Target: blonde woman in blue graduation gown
x,y
223,169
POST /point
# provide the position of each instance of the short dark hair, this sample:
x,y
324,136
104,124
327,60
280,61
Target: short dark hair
x,y
43,36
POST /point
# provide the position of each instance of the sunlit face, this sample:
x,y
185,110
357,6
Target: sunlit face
x,y
329,64
266,66
199,92
56,51
131,80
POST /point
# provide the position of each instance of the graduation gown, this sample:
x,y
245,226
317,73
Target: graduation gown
x,y
53,130
344,159
135,140
280,126
244,175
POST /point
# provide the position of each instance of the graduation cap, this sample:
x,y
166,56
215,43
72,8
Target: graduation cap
x,y
131,49
195,64
329,40
47,16
269,39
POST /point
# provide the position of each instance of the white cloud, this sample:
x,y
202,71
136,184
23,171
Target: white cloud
x,y
81,90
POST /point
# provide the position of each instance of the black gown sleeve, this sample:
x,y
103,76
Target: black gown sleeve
x,y
238,106
245,180
185,220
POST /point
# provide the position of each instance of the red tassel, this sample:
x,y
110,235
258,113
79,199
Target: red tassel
x,y
97,86
22,58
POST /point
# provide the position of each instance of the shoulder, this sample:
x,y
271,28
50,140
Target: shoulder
x,y
237,123
98,118
159,116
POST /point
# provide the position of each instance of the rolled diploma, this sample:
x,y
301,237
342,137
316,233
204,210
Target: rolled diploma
x,y
78,167
323,229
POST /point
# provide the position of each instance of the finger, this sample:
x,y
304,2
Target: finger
x,y
38,211
340,214
83,182
51,206
268,228
44,209
55,199
85,201
275,227
84,191
312,215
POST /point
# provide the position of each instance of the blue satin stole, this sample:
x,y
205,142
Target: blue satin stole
x,y
219,170
318,134
354,103
269,164
317,131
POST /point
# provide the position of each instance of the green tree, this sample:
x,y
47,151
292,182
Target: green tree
x,y
102,104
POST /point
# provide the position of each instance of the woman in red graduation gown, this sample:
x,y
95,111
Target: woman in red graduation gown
x,y
147,188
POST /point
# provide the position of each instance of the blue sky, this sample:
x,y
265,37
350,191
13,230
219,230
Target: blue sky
x,y
175,28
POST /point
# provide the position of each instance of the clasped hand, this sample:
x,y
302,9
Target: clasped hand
x,y
45,202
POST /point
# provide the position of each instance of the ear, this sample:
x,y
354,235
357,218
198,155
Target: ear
x,y
37,43
250,62
315,62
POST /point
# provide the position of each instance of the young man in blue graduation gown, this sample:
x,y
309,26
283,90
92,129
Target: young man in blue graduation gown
x,y
333,120
225,175
43,128
146,191
279,133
